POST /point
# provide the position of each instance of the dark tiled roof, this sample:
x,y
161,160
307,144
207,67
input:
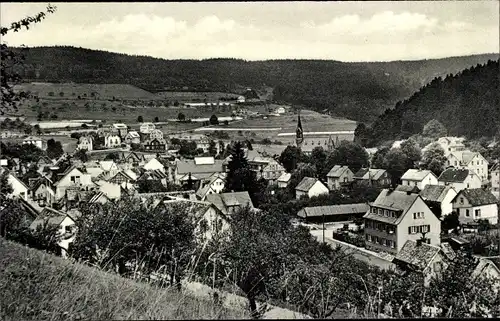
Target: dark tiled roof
x,y
392,200
419,256
407,188
334,210
337,171
454,175
306,183
478,196
434,193
225,200
372,173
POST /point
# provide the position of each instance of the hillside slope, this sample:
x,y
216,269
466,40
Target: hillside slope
x,y
467,104
359,91
39,286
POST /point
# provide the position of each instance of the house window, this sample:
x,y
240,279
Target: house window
x,y
467,212
376,240
386,213
461,200
68,229
368,237
379,211
477,212
393,244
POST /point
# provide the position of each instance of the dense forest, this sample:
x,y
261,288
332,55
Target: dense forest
x,y
466,103
360,91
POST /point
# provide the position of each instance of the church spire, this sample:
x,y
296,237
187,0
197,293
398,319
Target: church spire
x,y
299,133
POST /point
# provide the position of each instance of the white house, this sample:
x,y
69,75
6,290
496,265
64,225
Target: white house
x,y
449,144
85,143
310,187
155,134
37,141
132,137
440,195
65,222
154,164
283,180
146,128
19,188
112,140
419,178
396,217
474,204
214,185
121,129
338,176
472,161
72,178
459,179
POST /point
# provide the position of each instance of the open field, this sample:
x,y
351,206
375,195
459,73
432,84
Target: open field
x,y
193,96
73,90
273,127
68,143
39,286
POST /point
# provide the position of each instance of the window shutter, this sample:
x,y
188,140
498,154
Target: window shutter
x,y
409,229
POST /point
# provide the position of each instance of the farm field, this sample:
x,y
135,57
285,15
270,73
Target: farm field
x,y
73,90
311,122
193,96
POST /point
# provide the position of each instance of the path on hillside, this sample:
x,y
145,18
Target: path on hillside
x,y
232,300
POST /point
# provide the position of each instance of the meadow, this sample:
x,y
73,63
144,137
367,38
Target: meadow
x,y
39,286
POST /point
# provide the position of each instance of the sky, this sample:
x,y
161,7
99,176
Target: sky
x,y
345,31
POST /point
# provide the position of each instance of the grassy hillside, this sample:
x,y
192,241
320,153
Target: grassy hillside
x,y
359,91
39,286
466,104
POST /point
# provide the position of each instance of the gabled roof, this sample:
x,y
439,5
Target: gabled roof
x,y
464,156
306,183
419,256
477,196
50,215
15,177
372,173
121,173
133,134
454,175
154,174
448,251
434,193
225,200
416,174
285,177
482,265
107,165
203,190
392,200
316,211
337,171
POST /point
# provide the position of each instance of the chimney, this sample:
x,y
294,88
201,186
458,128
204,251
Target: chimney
x,y
419,242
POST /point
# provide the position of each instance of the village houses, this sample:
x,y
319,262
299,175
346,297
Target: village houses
x,y
419,178
339,176
85,143
37,141
310,187
146,128
439,198
132,137
19,188
474,204
472,161
448,144
122,129
459,179
212,185
198,169
283,180
112,140
372,177
395,217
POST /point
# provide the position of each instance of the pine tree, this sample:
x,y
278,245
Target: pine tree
x,y
238,170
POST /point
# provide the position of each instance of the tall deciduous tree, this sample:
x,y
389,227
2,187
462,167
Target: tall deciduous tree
x,y
54,149
412,151
290,157
434,159
434,129
213,120
396,164
349,154
318,159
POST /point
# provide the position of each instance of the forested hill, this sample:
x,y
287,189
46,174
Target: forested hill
x,y
466,103
359,91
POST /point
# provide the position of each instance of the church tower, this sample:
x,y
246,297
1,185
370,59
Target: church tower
x,y
299,133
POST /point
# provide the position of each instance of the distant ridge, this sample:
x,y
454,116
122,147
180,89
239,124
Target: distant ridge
x,y
356,90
